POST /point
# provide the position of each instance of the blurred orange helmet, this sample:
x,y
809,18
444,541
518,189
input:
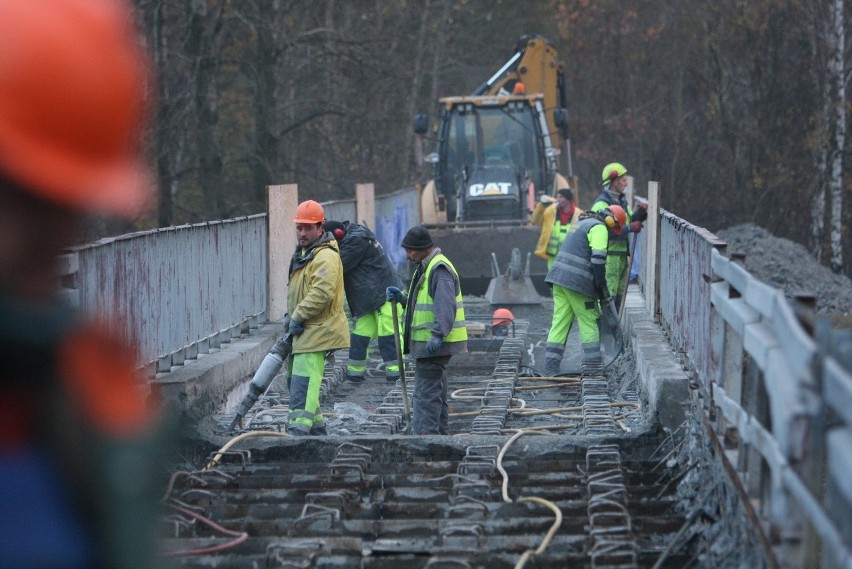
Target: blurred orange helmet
x,y
519,89
502,316
309,212
73,103
615,218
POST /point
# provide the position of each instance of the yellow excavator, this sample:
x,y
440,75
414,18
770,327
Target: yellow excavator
x,y
496,151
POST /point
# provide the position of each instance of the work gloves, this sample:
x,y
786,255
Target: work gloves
x,y
640,213
434,344
296,327
546,199
635,226
393,294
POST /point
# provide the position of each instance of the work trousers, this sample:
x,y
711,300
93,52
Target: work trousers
x,y
431,410
616,265
377,324
306,371
568,304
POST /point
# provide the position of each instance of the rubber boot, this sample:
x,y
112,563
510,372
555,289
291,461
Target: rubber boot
x,y
387,348
551,365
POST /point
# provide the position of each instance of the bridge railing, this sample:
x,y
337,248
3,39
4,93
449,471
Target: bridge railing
x,y
775,384
184,290
178,291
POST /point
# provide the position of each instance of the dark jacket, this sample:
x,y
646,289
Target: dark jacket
x,y
367,271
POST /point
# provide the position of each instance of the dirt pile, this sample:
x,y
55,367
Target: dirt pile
x,y
790,268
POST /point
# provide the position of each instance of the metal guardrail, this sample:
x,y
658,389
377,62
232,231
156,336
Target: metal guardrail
x,y
179,291
184,290
777,390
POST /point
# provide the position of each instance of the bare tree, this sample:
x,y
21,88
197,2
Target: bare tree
x,y
837,78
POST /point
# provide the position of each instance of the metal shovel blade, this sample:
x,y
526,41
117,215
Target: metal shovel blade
x,y
612,339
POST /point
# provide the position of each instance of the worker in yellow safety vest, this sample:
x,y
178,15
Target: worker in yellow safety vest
x,y
613,185
434,330
578,280
555,218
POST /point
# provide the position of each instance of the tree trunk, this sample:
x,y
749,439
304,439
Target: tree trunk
x,y
264,79
203,31
836,75
416,81
165,178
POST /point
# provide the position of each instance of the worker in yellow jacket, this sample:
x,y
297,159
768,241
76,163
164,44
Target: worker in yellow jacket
x,y
317,322
555,218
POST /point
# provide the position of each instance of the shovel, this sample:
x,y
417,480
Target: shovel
x,y
611,337
400,360
626,279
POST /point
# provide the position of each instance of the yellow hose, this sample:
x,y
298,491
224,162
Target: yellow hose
x,y
237,439
504,488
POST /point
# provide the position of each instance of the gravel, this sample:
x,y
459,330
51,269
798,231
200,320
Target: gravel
x,y
789,267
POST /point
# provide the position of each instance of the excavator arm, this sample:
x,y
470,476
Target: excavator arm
x,y
536,64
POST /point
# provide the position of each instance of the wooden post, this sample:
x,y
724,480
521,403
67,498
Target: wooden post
x,y
282,201
651,270
813,468
365,205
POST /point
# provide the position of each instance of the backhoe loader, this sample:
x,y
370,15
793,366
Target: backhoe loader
x,y
496,151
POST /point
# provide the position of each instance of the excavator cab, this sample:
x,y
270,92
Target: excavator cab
x,y
491,156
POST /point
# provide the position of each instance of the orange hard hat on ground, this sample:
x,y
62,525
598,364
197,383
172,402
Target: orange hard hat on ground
x,y
73,104
309,212
502,316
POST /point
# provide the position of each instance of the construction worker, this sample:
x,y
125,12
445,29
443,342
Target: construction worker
x,y
367,272
614,182
316,319
82,439
555,218
578,277
434,328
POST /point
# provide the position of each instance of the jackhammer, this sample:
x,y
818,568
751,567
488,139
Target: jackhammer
x,y
263,377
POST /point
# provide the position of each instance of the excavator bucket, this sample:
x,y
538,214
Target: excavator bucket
x,y
514,286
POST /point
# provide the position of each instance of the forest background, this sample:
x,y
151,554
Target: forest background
x,y
736,107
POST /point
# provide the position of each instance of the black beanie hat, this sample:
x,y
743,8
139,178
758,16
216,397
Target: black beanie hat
x,y
417,238
336,228
567,194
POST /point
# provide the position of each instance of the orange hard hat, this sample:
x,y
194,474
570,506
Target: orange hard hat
x,y
519,89
615,218
309,212
502,316
73,104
